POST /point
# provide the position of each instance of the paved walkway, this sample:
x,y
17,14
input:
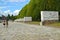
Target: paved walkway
x,y
21,31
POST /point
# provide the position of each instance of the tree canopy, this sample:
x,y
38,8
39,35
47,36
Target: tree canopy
x,y
34,7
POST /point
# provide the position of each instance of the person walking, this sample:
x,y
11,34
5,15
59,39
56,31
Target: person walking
x,y
6,22
3,20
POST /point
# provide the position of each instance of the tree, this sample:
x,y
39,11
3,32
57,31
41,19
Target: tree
x,y
8,17
12,17
34,7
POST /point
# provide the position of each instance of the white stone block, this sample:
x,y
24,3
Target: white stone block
x,y
27,19
49,15
18,20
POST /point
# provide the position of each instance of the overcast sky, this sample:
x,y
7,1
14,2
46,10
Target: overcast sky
x,y
12,6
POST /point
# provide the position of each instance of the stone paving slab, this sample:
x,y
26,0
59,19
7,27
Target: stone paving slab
x,y
21,31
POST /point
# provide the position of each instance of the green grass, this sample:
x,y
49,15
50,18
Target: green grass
x,y
56,24
34,22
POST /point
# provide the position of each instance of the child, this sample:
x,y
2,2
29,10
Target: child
x,y
4,23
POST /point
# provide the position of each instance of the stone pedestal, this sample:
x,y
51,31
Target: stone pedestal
x,y
49,17
46,22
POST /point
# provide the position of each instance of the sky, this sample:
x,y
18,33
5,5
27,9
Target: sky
x,y
12,6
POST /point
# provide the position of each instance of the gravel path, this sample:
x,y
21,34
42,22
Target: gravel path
x,y
21,31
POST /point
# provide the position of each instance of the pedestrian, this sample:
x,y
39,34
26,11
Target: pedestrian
x,y
6,23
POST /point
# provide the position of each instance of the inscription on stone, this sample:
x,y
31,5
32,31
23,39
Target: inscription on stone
x,y
49,16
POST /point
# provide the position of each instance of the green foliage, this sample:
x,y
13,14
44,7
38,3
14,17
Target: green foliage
x,y
34,7
8,17
13,17
23,12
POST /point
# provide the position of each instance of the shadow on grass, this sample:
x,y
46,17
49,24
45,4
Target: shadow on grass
x,y
56,24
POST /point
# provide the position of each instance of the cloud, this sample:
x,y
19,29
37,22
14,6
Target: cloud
x,y
7,12
1,13
2,7
14,0
16,12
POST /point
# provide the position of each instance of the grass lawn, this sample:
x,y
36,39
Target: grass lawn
x,y
34,22
56,24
